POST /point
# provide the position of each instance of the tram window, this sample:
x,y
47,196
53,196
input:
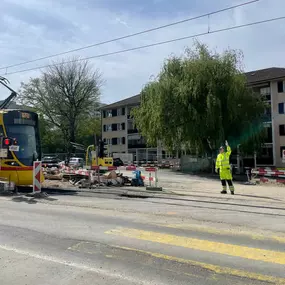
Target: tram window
x,y
27,142
1,131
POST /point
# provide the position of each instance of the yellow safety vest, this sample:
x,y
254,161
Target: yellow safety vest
x,y
223,160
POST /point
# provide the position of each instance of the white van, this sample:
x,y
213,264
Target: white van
x,y
76,162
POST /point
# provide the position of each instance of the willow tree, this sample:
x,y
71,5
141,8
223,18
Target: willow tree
x,y
198,100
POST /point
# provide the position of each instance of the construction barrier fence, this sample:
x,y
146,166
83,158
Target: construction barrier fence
x,y
268,174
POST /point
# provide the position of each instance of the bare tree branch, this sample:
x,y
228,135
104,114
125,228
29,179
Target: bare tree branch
x,y
64,93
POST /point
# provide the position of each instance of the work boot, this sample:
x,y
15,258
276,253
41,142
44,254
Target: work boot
x,y
232,192
224,192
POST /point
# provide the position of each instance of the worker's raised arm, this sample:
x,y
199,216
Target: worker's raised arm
x,y
229,150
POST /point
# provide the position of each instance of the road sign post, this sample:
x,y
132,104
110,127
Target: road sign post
x,y
37,168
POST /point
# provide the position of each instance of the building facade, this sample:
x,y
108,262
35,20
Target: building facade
x,y
270,83
119,132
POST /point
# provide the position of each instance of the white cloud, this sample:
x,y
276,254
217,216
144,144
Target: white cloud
x,y
60,26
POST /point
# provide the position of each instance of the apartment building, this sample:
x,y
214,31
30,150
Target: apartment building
x,y
119,132
270,83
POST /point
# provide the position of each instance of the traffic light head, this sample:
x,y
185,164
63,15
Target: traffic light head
x,y
103,149
7,142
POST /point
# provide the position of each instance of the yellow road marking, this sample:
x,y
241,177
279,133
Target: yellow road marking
x,y
216,231
203,245
216,269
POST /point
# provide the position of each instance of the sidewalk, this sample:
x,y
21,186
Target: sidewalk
x,y
187,184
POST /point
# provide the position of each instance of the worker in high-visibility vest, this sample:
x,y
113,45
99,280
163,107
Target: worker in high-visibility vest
x,y
224,169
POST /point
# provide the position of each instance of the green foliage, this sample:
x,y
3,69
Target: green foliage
x,y
53,140
197,100
87,128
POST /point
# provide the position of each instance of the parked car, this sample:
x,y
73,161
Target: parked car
x,y
51,161
118,162
76,162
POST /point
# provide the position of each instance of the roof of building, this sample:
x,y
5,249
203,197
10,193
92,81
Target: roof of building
x,y
134,100
264,74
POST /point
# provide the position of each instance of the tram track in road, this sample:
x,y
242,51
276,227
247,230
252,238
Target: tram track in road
x,y
237,200
211,203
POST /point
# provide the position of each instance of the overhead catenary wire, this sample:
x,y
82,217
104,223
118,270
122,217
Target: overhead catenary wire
x,y
131,35
151,45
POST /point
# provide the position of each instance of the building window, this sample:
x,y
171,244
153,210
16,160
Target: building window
x,y
108,128
114,112
114,141
281,108
282,130
109,113
123,111
107,141
123,140
281,150
104,114
280,86
114,127
123,125
265,92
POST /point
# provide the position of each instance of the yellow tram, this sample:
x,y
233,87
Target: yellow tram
x,y
19,146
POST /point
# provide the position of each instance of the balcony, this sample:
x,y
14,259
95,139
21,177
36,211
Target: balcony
x,y
136,145
133,131
130,117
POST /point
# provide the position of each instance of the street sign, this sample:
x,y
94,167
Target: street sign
x,y
14,148
3,152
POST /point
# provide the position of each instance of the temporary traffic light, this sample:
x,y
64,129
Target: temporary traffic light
x,y
102,149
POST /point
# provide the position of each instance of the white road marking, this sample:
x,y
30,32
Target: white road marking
x,y
75,265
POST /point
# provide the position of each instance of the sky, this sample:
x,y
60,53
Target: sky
x,y
30,29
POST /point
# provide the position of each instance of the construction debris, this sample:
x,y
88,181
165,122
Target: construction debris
x,y
85,178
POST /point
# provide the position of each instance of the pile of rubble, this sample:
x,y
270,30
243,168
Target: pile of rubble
x,y
83,178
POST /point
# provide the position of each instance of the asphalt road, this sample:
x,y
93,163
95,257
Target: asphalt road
x,y
113,239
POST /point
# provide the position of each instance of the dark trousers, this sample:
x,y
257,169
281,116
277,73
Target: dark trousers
x,y
230,183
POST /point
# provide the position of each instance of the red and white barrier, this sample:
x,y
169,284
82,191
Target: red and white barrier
x,y
270,172
264,180
37,167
